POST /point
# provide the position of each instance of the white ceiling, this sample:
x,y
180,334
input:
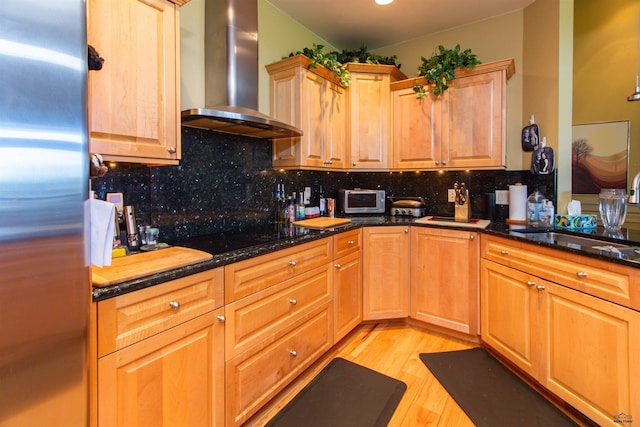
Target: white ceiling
x,y
351,24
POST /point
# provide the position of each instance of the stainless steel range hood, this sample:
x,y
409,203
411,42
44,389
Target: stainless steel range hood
x,y
231,74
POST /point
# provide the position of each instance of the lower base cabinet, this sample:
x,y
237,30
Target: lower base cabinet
x,y
174,378
582,348
347,294
255,376
385,272
444,278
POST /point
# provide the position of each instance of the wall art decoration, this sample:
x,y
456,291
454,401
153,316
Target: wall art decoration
x,y
599,156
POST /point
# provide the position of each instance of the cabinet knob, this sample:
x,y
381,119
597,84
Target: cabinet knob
x,y
406,230
293,353
330,162
581,274
541,287
293,263
531,283
472,237
437,163
174,305
338,265
444,162
221,318
353,164
350,242
172,150
293,301
504,252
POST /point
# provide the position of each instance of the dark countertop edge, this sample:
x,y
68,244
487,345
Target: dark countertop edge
x,y
219,260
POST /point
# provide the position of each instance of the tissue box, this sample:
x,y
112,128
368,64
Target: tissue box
x,y
575,221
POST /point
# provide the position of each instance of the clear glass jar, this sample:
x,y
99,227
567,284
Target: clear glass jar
x,y
613,208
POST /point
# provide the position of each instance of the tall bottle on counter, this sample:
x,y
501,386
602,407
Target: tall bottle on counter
x,y
322,203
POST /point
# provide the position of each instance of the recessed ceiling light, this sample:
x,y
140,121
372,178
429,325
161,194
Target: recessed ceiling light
x,y
383,2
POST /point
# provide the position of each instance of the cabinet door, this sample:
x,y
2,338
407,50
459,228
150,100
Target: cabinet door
x,y
335,147
369,115
385,272
134,99
416,130
314,117
592,347
347,294
285,88
508,307
444,278
474,112
174,378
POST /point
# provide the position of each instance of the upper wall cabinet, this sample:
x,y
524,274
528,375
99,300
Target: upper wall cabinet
x,y
134,112
369,115
465,128
312,100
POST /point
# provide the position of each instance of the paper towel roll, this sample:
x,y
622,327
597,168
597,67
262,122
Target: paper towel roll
x,y
518,202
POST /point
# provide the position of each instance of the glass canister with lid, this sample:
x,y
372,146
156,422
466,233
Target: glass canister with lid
x,y
613,208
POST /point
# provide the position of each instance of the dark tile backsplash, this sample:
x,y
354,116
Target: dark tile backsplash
x,y
226,182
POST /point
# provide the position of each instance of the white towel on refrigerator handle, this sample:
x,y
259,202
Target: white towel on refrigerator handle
x,y
102,231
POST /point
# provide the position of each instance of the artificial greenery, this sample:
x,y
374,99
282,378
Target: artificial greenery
x,y
441,67
363,56
336,61
328,60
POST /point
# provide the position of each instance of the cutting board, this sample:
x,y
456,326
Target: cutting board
x,y
146,263
322,222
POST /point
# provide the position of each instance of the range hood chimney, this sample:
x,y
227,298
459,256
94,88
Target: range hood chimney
x,y
231,75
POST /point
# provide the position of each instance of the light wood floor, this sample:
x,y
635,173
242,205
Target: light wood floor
x,y
392,349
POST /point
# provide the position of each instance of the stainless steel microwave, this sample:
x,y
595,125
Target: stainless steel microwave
x,y
360,201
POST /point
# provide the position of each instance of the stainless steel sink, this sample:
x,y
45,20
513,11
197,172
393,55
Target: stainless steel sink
x,y
582,243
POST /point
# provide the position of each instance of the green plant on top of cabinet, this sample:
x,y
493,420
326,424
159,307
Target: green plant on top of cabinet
x,y
314,101
464,128
134,113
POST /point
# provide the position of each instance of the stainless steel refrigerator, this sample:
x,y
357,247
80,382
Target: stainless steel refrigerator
x,y
44,271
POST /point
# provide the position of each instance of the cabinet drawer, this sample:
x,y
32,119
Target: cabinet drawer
x,y
347,243
129,318
246,277
599,278
255,377
254,318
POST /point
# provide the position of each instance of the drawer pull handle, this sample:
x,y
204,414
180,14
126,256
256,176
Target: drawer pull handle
x,y
504,252
221,318
531,283
174,305
293,263
541,287
581,274
350,242
293,353
293,301
338,265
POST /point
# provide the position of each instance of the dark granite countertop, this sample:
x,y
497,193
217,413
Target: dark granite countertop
x,y
234,246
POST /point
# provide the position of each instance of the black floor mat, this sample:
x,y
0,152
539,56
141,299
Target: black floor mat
x,y
343,394
489,393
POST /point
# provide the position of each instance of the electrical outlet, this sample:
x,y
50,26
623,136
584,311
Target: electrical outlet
x,y
451,195
502,197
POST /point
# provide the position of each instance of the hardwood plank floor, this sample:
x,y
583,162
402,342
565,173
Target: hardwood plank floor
x,y
392,349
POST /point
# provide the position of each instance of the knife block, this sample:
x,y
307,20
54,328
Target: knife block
x,y
463,211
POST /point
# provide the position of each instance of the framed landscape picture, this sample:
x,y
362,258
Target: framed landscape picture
x,y
599,156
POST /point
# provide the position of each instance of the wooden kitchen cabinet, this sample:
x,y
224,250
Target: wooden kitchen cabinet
x,y
581,347
445,278
369,115
465,128
314,101
279,320
168,365
347,283
385,272
134,112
